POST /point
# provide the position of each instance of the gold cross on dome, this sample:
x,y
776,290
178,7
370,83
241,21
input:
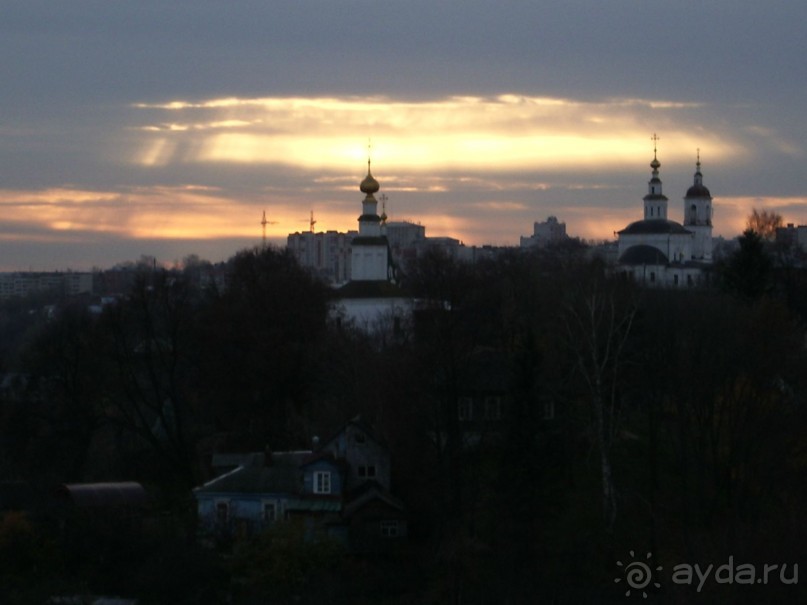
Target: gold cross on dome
x,y
655,138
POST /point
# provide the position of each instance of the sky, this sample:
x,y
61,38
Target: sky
x,y
166,129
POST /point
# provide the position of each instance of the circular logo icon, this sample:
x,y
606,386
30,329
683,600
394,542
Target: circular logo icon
x,y
638,574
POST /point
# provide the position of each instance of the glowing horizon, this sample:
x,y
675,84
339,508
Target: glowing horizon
x,y
195,213
478,169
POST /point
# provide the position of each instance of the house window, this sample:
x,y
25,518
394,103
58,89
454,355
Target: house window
x,y
222,513
652,276
269,512
359,439
390,528
322,482
675,279
493,408
465,408
367,472
549,410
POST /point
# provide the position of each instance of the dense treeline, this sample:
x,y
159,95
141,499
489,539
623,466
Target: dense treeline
x,y
677,427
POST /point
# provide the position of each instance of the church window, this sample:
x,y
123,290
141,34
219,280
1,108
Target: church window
x,y
675,279
652,276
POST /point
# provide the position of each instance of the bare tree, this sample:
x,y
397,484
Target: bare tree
x,y
765,223
146,347
598,322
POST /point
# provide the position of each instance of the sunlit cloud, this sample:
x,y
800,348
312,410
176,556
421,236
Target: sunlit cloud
x,y
157,212
500,205
779,142
502,133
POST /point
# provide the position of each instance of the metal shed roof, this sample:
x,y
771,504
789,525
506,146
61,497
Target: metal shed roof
x,y
126,494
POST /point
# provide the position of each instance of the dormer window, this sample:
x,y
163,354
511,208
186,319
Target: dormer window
x,y
359,439
322,482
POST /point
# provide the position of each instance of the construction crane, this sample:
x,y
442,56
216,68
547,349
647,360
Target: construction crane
x,y
264,222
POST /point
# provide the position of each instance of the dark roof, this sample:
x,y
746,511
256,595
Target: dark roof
x,y
254,477
370,289
252,480
643,255
320,504
369,492
126,494
653,225
698,191
368,240
324,456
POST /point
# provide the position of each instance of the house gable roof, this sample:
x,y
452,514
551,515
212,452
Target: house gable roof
x,y
369,492
358,422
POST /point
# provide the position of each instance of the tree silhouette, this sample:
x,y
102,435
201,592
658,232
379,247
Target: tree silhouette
x,y
764,223
748,272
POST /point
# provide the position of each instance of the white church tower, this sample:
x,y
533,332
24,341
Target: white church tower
x,y
369,259
655,202
371,300
698,216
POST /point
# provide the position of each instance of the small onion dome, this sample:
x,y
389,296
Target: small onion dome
x,y
698,190
655,164
369,185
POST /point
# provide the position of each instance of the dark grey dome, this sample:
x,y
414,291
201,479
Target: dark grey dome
x,y
643,255
698,190
653,225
